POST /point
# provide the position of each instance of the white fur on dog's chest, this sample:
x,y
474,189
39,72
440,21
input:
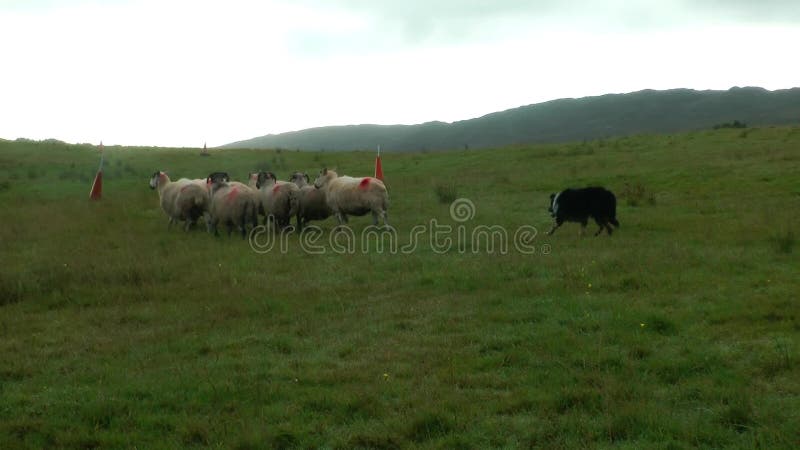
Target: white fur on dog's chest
x,y
555,204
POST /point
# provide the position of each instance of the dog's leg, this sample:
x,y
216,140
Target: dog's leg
x,y
556,224
599,224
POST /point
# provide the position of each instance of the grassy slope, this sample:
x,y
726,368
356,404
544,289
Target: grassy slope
x,y
679,331
560,120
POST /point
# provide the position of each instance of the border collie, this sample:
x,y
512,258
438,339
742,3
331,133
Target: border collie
x,y
577,205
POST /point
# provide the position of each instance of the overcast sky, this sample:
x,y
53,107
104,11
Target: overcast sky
x,y
185,72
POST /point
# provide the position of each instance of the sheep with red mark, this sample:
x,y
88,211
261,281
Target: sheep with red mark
x,y
278,199
233,204
211,178
182,200
354,196
311,203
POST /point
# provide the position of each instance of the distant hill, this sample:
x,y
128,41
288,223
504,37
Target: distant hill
x,y
561,120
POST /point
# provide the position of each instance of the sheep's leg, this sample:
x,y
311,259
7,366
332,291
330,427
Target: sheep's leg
x,y
254,217
207,219
342,219
385,215
209,227
242,222
375,215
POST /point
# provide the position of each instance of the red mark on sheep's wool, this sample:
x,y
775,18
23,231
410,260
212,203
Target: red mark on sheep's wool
x,y
232,195
364,183
276,188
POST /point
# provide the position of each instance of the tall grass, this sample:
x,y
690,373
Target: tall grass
x,y
679,331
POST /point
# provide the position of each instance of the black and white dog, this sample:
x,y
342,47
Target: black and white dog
x,y
577,205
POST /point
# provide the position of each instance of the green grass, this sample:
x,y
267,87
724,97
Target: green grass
x,y
679,331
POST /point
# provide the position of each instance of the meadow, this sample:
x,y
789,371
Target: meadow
x,y
679,331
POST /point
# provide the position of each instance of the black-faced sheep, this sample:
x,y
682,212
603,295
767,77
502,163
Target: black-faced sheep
x,y
311,203
354,196
182,200
278,198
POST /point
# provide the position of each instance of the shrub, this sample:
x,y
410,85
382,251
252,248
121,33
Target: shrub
x,y
738,415
637,194
783,242
429,427
734,124
445,192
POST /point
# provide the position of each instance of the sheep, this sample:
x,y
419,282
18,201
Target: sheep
x,y
212,177
311,204
355,196
181,200
278,199
233,204
252,180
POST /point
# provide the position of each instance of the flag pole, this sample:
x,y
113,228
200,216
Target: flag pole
x,y
97,185
378,166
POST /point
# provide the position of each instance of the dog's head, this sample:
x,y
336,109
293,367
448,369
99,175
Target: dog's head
x,y
553,208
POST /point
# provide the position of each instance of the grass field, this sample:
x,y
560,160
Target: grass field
x,y
679,331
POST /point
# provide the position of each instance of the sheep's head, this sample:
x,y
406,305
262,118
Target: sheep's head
x,y
322,178
213,177
325,175
300,179
265,179
155,180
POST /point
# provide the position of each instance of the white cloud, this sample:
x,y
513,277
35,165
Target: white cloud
x,y
179,73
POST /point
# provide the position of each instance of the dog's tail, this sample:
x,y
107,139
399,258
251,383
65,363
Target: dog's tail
x,y
613,219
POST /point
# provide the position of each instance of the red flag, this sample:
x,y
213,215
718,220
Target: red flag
x,y
378,167
97,186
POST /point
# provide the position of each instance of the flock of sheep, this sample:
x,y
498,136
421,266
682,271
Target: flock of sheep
x,y
236,205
